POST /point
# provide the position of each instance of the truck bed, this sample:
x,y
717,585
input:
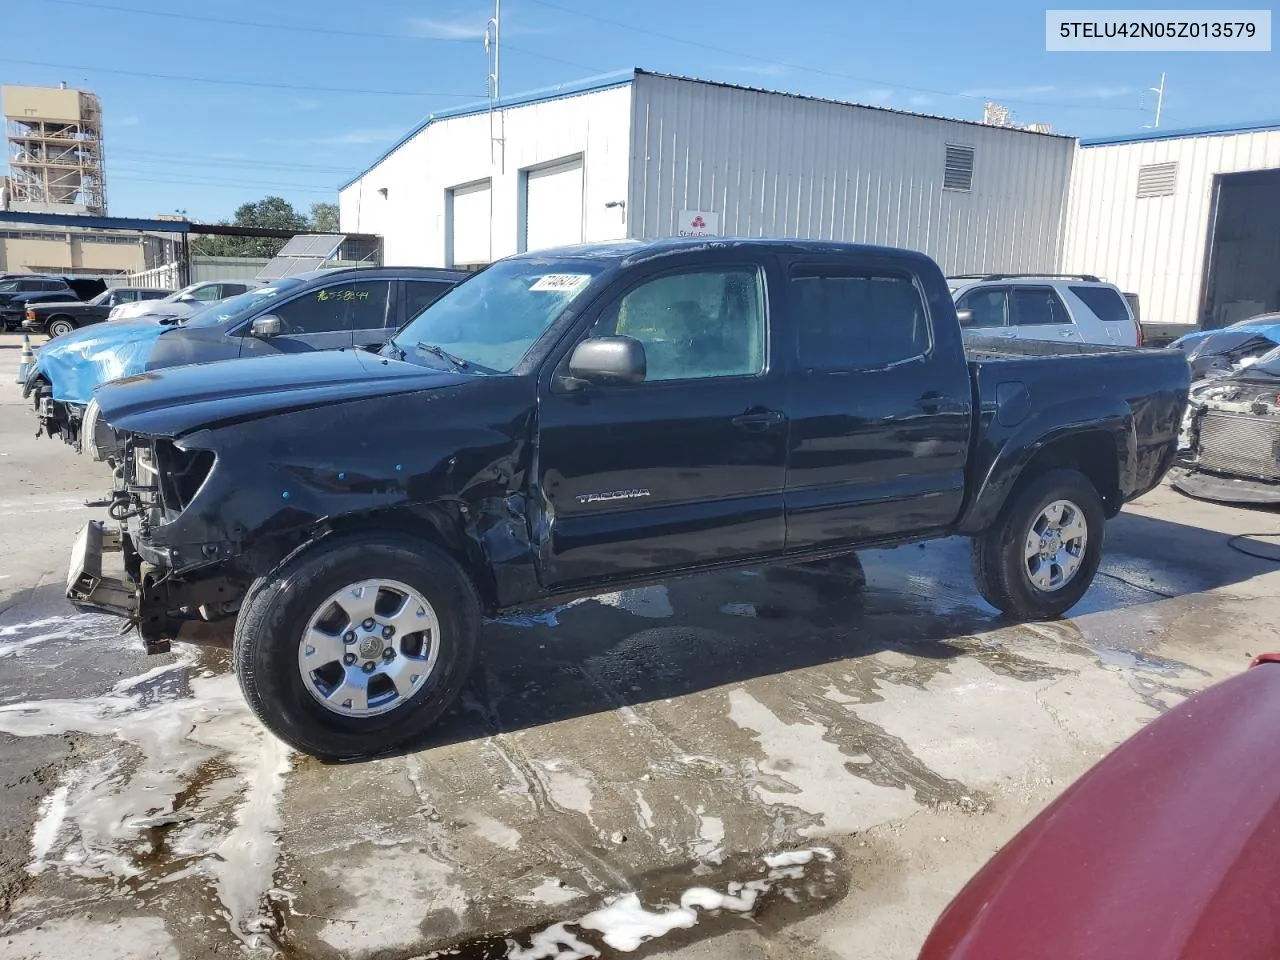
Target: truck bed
x,y
1027,393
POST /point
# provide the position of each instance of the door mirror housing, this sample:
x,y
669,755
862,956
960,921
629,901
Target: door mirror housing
x,y
264,328
608,360
965,317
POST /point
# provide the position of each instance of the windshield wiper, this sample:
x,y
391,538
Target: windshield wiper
x,y
399,350
456,362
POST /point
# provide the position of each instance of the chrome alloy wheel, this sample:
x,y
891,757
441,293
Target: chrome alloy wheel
x,y
369,647
1055,545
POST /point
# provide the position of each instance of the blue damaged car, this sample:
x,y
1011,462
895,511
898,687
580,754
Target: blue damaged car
x,y
320,310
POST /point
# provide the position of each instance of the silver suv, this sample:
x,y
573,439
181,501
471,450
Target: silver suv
x,y
1078,308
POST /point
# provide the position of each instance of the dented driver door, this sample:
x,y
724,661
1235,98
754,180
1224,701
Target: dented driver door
x,y
685,468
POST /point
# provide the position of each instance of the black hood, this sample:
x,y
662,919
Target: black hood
x,y
177,400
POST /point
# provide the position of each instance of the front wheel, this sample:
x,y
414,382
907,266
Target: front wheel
x,y
59,327
1040,556
357,647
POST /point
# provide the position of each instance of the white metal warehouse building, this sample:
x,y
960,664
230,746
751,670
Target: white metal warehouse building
x,y
643,155
1189,220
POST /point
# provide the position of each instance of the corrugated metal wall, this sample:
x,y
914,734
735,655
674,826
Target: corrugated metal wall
x,y
781,166
1155,246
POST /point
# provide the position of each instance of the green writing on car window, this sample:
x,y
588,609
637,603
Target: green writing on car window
x,y
326,295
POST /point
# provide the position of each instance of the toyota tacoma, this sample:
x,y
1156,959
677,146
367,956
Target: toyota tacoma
x,y
573,421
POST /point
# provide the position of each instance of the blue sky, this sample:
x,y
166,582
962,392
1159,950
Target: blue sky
x,y
175,143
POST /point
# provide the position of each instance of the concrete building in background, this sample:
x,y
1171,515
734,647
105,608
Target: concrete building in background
x,y
32,249
54,140
1189,220
645,155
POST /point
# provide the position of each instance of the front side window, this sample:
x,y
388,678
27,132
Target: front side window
x,y
989,306
356,305
708,323
207,293
857,322
1037,307
241,307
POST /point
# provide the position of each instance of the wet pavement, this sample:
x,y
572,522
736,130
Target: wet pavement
x,y
799,762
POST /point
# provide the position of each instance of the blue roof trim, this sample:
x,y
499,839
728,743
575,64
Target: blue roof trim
x,y
94,222
1224,128
604,81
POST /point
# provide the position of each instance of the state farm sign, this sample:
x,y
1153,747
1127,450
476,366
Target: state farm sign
x,y
698,223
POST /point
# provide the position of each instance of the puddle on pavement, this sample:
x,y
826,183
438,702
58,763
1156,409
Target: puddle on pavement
x,y
731,712
188,785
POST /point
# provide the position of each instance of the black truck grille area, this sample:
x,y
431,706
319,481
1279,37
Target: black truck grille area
x,y
1239,444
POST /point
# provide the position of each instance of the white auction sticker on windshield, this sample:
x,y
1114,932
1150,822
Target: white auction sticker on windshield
x,y
561,282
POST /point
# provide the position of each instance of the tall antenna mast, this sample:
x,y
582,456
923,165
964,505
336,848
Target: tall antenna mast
x,y
493,53
1159,92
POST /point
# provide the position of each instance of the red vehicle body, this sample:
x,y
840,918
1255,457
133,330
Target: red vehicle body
x,y
1168,848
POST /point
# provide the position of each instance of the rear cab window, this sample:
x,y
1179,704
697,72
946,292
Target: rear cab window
x,y
1105,302
847,320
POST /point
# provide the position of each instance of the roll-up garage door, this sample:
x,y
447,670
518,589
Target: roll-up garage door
x,y
553,205
471,225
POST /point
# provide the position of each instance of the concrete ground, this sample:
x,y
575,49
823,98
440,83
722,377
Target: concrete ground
x,y
766,763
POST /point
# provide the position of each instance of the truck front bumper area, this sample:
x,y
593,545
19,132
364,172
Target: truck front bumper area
x,y
146,597
1223,489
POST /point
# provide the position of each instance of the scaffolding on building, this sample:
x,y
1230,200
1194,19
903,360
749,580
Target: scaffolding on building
x,y
55,150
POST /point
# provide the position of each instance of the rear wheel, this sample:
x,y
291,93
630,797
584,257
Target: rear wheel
x,y
1040,556
59,326
357,647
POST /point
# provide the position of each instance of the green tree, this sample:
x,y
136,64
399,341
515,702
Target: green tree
x,y
273,213
324,217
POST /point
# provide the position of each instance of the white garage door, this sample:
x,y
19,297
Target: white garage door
x,y
553,206
471,225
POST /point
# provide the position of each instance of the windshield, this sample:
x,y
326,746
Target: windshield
x,y
100,298
1267,367
492,319
241,305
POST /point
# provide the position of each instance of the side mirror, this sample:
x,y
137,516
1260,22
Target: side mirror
x,y
264,328
965,317
608,360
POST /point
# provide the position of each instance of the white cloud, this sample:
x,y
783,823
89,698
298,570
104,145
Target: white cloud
x,y
1105,93
456,28
1009,93
920,100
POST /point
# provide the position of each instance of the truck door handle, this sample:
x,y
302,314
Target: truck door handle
x,y
758,418
932,403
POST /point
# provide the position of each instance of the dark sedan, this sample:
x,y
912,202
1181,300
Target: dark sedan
x,y
16,293
57,319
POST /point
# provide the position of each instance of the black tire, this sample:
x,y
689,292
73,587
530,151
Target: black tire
x,y
278,607
59,327
999,559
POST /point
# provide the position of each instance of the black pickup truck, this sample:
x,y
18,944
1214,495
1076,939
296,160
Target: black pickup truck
x,y
572,421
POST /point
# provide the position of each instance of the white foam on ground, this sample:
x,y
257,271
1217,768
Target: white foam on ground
x,y
497,833
551,892
566,788
94,823
91,628
625,924
129,938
